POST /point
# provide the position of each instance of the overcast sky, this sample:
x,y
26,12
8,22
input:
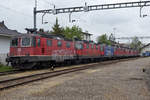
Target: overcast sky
x,y
18,14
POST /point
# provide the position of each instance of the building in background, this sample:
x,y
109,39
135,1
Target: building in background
x,y
145,50
5,38
87,36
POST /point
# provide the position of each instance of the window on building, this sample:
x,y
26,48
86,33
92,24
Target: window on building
x,y
49,42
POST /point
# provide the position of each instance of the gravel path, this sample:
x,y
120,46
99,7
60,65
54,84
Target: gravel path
x,y
120,81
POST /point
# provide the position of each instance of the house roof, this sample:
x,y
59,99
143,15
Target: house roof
x,y
86,33
4,31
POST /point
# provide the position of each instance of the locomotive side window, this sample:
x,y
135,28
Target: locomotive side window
x,y
34,41
49,42
96,47
59,43
102,48
38,42
92,46
68,44
87,46
14,42
82,47
26,41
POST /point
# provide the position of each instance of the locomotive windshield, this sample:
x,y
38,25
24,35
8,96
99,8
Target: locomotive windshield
x,y
26,41
14,42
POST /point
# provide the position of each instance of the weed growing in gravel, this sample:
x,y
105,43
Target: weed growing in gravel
x,y
5,68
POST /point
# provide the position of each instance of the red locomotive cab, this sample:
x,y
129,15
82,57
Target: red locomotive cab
x,y
21,46
25,45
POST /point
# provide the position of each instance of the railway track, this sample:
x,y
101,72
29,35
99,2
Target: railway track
x,y
6,84
10,72
19,71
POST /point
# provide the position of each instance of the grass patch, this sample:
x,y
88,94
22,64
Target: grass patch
x,y
4,68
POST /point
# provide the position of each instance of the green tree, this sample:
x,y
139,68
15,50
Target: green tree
x,y
136,43
104,39
56,29
73,32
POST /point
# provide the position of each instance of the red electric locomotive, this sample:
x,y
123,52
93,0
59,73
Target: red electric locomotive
x,y
29,51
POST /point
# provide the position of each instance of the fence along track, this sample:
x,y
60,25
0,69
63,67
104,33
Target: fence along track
x,y
6,84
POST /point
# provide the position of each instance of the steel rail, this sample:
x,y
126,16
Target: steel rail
x,y
10,72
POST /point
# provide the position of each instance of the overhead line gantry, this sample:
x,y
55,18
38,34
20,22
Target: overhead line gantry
x,y
87,8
